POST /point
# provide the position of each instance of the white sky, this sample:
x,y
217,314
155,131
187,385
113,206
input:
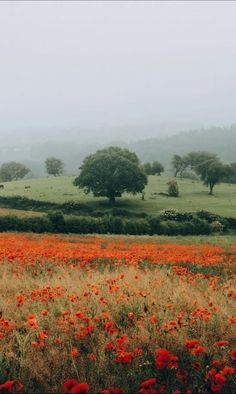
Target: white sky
x,y
94,63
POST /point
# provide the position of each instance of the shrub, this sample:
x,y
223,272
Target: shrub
x,y
113,225
217,227
82,225
173,214
136,227
57,221
173,189
201,226
154,225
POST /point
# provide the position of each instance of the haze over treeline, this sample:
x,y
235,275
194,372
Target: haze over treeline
x,y
156,77
221,141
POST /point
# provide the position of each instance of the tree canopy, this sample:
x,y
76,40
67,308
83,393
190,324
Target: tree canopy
x,y
54,166
110,172
12,171
153,168
211,172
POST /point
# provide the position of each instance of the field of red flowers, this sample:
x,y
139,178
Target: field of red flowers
x,y
116,315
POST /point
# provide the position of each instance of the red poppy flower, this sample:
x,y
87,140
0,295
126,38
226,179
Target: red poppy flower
x,y
233,354
148,382
112,390
221,343
191,343
69,384
80,388
198,350
7,386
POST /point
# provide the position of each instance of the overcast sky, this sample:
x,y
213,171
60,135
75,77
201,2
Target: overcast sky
x,y
101,63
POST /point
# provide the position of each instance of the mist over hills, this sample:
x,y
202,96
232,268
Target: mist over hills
x,y
149,142
83,135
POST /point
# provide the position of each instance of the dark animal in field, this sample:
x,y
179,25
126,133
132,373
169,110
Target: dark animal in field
x,y
27,187
1,186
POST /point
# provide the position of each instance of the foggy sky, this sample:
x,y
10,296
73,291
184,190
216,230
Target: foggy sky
x,y
90,64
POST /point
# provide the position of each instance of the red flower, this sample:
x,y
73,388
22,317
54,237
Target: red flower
x,y
216,388
221,343
124,357
112,390
191,343
69,384
147,390
198,350
233,354
74,352
219,378
80,388
227,370
7,386
148,382
166,359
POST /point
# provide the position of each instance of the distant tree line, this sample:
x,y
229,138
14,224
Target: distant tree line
x,y
13,171
112,171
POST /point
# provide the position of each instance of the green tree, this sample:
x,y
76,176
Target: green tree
x,y
230,175
147,168
211,172
110,172
179,164
153,168
54,166
157,168
12,171
195,159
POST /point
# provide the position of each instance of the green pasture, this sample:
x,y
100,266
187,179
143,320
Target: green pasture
x,y
193,195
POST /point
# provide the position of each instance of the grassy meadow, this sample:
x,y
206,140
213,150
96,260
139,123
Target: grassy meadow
x,y
116,315
193,195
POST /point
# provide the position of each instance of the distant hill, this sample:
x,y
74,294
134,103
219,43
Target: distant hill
x,y
220,140
217,140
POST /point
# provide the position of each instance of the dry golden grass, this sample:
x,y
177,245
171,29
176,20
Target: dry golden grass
x,y
19,213
154,306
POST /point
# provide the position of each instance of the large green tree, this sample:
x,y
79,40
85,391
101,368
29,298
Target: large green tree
x,y
111,172
211,171
12,171
54,166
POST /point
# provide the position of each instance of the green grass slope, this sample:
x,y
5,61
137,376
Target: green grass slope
x,y
193,195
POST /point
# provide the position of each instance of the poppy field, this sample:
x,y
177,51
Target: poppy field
x,y
113,315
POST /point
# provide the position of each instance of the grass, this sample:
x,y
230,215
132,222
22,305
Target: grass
x,y
193,195
19,213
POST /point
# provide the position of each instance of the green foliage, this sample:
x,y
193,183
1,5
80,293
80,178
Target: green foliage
x,y
154,225
173,189
179,164
205,164
154,168
57,221
173,214
54,166
108,224
110,172
13,171
231,173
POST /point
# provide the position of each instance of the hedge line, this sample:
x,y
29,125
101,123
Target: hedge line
x,y
69,207
55,222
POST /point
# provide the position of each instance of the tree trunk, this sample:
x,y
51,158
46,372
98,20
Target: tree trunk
x,y
112,199
211,190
